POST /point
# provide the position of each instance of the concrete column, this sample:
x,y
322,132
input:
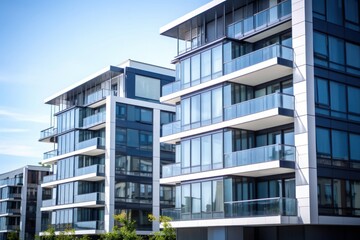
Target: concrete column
x,y
156,168
23,204
110,164
304,122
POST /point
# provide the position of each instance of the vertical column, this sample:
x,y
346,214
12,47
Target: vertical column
x,y
304,122
23,204
38,206
110,131
156,167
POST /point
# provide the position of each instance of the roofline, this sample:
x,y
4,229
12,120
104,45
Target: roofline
x,y
20,170
190,15
79,83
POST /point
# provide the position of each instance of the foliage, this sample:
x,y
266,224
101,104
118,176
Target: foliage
x,y
49,234
168,232
127,230
13,235
67,234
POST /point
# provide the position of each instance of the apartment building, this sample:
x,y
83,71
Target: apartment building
x,y
19,201
267,128
106,154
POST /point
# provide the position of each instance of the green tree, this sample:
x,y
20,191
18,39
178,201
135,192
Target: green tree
x,y
49,234
167,233
13,235
67,234
125,231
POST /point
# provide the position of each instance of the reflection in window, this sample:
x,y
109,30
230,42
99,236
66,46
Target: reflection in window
x,y
146,87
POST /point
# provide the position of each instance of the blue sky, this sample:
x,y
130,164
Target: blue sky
x,y
48,45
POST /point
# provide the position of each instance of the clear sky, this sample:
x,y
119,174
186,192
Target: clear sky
x,y
48,45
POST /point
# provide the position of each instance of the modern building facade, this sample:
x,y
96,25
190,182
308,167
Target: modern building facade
x,y
267,129
106,153
19,201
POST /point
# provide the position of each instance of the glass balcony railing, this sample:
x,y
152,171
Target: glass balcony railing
x,y
171,128
98,95
49,178
261,207
248,208
258,56
99,169
51,131
260,155
260,20
260,104
95,119
50,154
99,142
10,211
173,213
171,170
48,203
171,88
90,197
89,225
11,181
240,158
12,195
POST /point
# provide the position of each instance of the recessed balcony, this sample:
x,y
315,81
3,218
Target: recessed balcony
x,y
47,135
259,113
11,197
11,182
90,147
96,99
254,68
95,122
262,24
247,212
96,198
254,162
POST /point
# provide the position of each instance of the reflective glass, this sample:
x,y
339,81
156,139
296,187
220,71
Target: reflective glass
x,y
340,145
354,100
354,146
334,11
323,141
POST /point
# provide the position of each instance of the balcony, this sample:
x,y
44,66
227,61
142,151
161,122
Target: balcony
x,y
257,67
96,169
50,154
95,122
49,178
96,197
254,162
266,207
11,182
89,225
94,100
90,147
47,135
257,27
49,203
10,197
10,211
263,112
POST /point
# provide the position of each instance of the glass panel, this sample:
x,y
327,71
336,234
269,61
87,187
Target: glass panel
x,y
195,70
217,150
334,11
322,92
354,100
185,201
206,199
354,147
195,111
217,106
195,154
196,201
185,105
206,108
185,72
185,153
338,97
206,66
352,10
206,153
352,55
218,196
336,52
339,144
146,87
323,141
217,61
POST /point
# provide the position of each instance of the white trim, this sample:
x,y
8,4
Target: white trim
x,y
87,177
72,205
73,153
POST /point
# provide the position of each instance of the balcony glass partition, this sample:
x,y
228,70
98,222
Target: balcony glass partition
x,y
12,181
99,142
50,154
97,96
49,178
260,104
51,131
258,56
89,225
89,197
98,169
48,203
261,207
95,119
260,20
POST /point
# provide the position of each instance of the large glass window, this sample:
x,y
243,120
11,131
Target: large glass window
x,y
322,92
196,200
323,142
205,108
185,201
195,154
195,111
206,66
354,146
217,150
195,70
354,100
206,199
146,87
338,98
218,197
217,105
217,61
352,14
334,11
336,53
339,145
352,57
206,153
186,73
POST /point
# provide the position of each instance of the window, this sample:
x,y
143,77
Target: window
x,y
336,53
217,150
334,11
205,108
195,154
319,9
195,70
185,72
216,61
354,146
185,201
146,87
206,153
206,66
339,145
338,98
206,199
323,142
196,200
320,48
322,92
354,100
352,14
352,58
217,105
218,197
